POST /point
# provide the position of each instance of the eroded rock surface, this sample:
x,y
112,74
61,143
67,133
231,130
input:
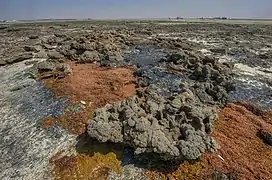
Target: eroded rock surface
x,y
174,114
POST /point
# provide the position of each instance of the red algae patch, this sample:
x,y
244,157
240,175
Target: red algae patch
x,y
91,87
73,121
85,167
242,152
93,84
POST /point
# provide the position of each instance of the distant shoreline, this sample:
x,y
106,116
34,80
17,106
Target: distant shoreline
x,y
199,20
84,19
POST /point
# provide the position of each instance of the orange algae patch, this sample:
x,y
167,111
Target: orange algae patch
x,y
92,87
85,167
93,84
244,153
73,121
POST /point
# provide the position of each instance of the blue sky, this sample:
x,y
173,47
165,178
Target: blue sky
x,y
35,9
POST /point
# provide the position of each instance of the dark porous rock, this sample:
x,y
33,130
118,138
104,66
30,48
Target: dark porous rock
x,y
141,125
264,56
46,66
218,50
175,43
83,46
41,55
184,46
78,46
54,55
89,57
173,116
52,40
2,62
31,48
66,50
175,57
219,175
20,57
60,35
48,46
3,27
65,68
31,62
33,37
34,42
266,136
70,53
208,93
48,69
209,60
112,59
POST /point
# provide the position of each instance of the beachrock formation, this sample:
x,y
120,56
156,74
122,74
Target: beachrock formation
x,y
31,48
89,57
98,47
41,55
181,89
54,55
172,128
174,114
2,62
112,59
20,57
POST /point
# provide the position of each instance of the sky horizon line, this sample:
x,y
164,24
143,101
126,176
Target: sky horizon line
x,y
136,18
120,9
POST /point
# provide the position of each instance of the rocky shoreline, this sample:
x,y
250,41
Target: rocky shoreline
x,y
153,89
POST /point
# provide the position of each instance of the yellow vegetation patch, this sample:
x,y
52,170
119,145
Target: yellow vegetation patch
x,y
186,171
85,167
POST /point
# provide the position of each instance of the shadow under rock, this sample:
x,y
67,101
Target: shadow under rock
x,y
125,154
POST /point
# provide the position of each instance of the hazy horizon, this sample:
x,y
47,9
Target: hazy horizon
x,y
122,9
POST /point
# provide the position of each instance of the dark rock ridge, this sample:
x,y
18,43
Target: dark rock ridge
x,y
104,48
20,57
174,113
2,62
266,136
